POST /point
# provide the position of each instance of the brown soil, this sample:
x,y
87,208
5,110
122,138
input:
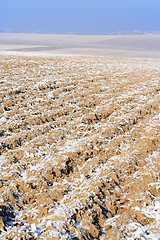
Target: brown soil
x,y
79,148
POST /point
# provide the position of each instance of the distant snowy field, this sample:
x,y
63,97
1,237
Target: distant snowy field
x,y
79,147
147,45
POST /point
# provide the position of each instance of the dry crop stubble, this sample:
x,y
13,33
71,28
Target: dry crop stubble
x,y
79,148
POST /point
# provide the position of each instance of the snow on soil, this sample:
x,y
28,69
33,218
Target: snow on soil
x,y
79,148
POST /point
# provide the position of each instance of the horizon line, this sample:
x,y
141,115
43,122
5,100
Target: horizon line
x,y
124,32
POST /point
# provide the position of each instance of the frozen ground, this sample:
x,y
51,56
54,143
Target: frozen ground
x,y
79,148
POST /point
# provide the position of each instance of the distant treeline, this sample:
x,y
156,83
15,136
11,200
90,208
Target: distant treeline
x,y
124,32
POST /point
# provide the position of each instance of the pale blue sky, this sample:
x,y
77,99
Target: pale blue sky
x,y
80,16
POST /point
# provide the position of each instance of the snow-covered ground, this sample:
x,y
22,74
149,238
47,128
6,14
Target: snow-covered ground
x,y
145,45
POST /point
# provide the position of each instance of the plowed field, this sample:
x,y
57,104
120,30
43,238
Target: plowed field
x,y
79,148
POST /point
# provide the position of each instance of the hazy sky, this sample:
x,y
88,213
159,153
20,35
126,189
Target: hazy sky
x,y
80,16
